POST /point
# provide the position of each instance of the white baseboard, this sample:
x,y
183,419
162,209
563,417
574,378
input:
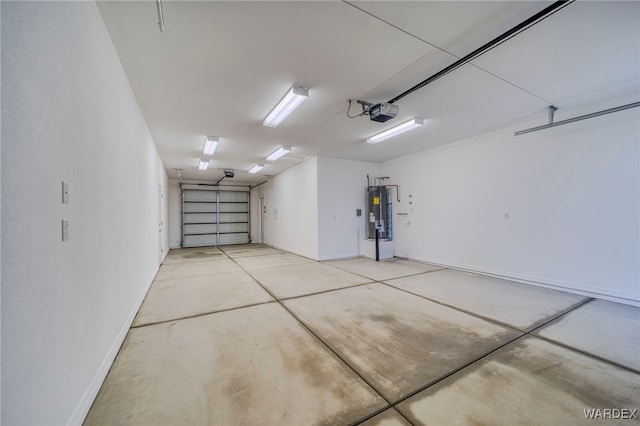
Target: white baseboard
x,y
299,253
82,409
571,287
340,257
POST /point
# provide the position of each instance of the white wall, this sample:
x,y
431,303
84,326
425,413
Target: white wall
x,y
1,127
341,190
68,113
571,194
291,200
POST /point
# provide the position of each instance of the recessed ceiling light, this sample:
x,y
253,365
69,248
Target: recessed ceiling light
x,y
294,97
394,131
204,164
256,168
210,145
283,150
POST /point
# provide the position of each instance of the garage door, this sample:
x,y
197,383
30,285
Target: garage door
x,y
214,217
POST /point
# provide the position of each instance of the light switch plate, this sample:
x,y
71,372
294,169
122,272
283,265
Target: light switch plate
x,y
65,229
65,192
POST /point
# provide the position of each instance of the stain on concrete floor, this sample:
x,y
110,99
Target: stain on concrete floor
x,y
258,365
530,381
396,341
248,366
388,417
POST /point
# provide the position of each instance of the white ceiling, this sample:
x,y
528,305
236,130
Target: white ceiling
x,y
219,68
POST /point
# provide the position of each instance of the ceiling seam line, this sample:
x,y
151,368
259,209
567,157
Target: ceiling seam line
x,y
496,42
398,73
442,50
510,83
509,38
400,29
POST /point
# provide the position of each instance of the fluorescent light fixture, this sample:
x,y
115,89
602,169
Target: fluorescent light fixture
x,y
394,131
294,97
204,164
210,145
256,168
283,150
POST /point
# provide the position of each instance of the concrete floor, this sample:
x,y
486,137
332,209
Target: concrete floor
x,y
246,335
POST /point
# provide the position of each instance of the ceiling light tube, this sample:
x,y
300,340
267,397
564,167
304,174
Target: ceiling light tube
x,y
394,131
210,145
256,168
294,97
283,150
204,164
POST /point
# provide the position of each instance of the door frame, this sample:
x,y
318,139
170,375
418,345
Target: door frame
x,y
261,220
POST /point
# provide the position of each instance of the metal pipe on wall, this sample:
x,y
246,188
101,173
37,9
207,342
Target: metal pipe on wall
x,y
257,185
160,15
397,187
579,118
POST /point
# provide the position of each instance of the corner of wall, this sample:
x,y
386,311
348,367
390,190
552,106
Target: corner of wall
x,y
556,207
291,200
341,186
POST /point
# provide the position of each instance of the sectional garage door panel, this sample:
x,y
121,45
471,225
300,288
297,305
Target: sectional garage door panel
x,y
189,218
200,240
231,196
212,228
227,228
211,218
234,217
230,207
233,239
198,195
200,228
200,207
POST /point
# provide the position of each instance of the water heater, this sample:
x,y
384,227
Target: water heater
x,y
377,212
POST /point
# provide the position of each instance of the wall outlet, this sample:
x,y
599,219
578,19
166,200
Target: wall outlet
x,y
65,229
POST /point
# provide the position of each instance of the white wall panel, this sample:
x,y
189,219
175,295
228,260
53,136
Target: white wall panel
x,y
341,191
291,200
558,207
68,113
